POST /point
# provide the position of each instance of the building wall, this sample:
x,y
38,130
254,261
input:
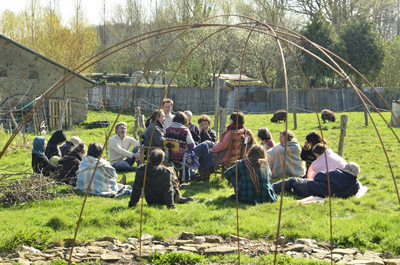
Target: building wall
x,y
24,75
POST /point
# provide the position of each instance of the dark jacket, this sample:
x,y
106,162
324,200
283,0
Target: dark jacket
x,y
343,184
308,156
41,164
52,148
65,148
210,136
159,187
158,135
69,165
195,132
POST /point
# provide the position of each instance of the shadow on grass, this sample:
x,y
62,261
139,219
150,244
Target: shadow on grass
x,y
223,202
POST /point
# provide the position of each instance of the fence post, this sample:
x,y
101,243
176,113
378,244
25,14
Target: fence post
x,y
366,116
294,116
222,120
343,125
216,106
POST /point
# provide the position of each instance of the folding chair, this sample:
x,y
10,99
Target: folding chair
x,y
176,152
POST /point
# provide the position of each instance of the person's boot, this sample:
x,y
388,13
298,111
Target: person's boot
x,y
183,200
123,180
204,174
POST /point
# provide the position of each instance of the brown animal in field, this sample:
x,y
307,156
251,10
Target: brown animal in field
x,y
328,115
279,115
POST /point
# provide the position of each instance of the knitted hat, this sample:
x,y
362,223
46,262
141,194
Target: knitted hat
x,y
75,140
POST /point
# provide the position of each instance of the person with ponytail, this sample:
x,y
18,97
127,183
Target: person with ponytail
x,y
253,175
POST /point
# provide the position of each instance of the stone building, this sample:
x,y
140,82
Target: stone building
x,y
25,75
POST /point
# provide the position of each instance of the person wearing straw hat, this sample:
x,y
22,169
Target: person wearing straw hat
x,y
69,145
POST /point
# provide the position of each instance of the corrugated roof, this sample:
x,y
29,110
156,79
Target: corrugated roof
x,y
235,77
45,58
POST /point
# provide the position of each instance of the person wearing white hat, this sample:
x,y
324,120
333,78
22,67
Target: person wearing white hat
x,y
69,145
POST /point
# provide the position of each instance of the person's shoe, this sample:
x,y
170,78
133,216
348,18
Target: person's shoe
x,y
123,180
183,200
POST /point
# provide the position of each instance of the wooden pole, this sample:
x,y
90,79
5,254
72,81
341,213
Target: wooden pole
x,y
222,120
216,106
366,117
61,115
294,116
343,125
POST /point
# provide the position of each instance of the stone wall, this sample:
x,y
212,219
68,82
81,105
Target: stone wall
x,y
252,99
25,74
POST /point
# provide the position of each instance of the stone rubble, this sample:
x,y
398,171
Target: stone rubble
x,y
110,250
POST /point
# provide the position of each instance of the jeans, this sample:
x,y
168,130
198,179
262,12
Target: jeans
x,y
203,152
296,185
126,165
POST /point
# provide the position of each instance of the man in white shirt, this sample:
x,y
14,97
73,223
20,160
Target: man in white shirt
x,y
167,107
118,149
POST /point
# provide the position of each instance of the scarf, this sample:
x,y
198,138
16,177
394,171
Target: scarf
x,y
38,145
253,175
234,127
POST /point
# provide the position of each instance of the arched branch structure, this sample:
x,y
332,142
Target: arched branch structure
x,y
280,34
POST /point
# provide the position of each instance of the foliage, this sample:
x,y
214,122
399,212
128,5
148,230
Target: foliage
x,y
265,259
322,33
41,29
177,258
389,76
364,47
36,237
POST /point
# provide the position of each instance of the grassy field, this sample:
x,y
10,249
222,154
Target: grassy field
x,y
371,222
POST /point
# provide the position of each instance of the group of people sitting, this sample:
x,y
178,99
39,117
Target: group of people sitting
x,y
202,153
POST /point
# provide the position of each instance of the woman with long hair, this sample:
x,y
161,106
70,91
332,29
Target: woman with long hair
x,y
307,154
253,175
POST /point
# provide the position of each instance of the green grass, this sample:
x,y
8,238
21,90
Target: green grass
x,y
371,222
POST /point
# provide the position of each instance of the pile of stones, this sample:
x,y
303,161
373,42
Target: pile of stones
x,y
112,251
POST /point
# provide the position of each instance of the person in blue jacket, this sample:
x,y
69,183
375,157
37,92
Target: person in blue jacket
x,y
343,183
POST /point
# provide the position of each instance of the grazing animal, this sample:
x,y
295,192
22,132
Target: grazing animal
x,y
279,115
328,115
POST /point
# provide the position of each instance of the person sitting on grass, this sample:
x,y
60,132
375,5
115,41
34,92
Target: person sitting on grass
x,y
70,164
157,120
249,140
105,177
162,185
276,156
212,155
264,135
253,178
334,160
69,145
194,130
307,154
40,163
118,149
343,183
206,134
53,152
